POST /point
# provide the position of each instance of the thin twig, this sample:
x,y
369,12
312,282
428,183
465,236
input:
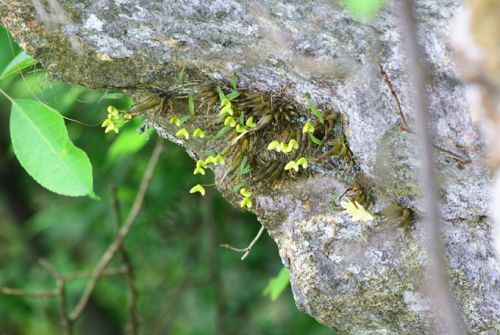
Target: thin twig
x,y
122,233
438,265
248,249
385,76
129,268
111,272
66,322
462,158
67,277
29,294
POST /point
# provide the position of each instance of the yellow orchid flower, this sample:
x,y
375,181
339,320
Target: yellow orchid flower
x,y
199,170
308,128
175,120
250,122
244,192
230,121
198,133
182,132
292,165
356,211
198,188
246,202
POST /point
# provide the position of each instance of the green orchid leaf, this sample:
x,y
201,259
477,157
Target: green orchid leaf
x,y
184,119
234,82
191,104
233,95
221,94
180,77
315,111
222,131
314,139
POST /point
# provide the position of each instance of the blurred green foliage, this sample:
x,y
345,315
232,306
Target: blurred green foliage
x,y
187,284
363,9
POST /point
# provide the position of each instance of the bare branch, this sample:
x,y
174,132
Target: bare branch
x,y
29,294
129,269
438,265
111,272
122,233
66,322
462,157
248,249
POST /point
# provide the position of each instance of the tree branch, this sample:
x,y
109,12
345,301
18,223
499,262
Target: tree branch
x,y
248,249
122,233
129,269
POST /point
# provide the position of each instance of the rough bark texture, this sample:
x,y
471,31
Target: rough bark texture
x,y
357,278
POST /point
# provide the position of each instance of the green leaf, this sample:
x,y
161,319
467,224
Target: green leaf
x,y
42,146
191,104
277,285
238,186
233,95
314,139
222,131
234,82
184,119
363,9
20,62
244,167
315,111
182,73
221,94
127,143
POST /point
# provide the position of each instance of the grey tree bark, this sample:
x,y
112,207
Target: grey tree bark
x,y
355,277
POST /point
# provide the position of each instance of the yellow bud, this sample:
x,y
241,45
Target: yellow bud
x,y
112,113
106,123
